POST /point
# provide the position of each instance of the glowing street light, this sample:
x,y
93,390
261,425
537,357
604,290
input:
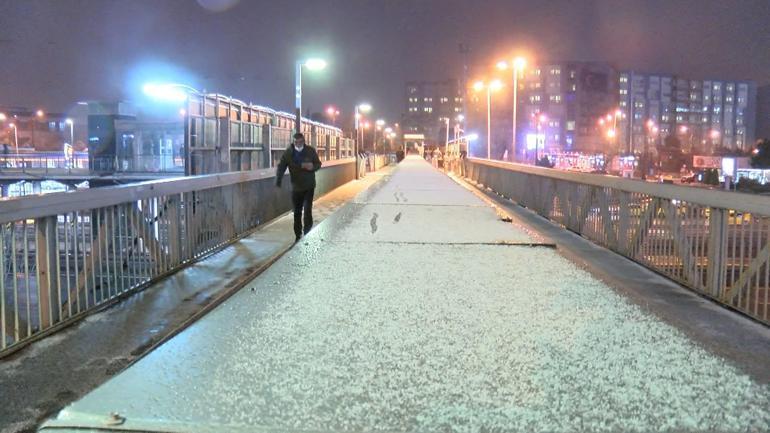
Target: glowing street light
x,y
493,85
170,92
714,134
611,134
313,64
39,113
333,113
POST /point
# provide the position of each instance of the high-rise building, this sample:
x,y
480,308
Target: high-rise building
x,y
763,112
559,103
428,106
706,115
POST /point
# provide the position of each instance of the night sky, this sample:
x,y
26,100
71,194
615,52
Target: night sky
x,y
57,52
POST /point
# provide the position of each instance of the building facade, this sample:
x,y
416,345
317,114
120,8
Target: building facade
x,y
558,104
707,116
429,105
34,130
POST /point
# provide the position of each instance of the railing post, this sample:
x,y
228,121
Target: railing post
x,y
47,274
623,220
717,249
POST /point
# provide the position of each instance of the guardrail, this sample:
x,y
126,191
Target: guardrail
x,y
64,255
57,164
714,242
43,163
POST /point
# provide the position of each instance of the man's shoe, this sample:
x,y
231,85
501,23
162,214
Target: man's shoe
x,y
297,238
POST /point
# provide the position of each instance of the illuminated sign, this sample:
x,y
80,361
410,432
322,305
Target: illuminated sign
x,y
707,161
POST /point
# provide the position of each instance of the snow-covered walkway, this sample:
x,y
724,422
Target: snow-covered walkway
x,y
416,309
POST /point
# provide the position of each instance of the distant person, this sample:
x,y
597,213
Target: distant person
x,y
302,161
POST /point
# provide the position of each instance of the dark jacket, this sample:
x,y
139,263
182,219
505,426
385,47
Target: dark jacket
x,y
301,179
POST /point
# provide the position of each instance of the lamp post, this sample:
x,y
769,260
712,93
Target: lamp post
x,y
15,136
541,118
360,108
69,122
517,65
310,64
39,114
378,127
493,85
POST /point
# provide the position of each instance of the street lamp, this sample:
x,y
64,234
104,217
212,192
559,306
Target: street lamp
x,y
360,108
2,117
69,122
312,65
171,92
333,113
517,65
15,136
491,86
541,119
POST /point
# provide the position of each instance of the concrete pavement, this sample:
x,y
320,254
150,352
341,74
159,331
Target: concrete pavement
x,y
415,308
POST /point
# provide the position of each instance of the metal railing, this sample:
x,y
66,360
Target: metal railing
x,y
65,255
57,164
714,242
44,163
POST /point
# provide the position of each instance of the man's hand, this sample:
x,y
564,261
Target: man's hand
x,y
307,166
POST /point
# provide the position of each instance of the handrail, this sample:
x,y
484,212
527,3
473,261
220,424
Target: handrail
x,y
707,197
29,207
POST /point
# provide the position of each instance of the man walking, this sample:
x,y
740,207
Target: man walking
x,y
303,162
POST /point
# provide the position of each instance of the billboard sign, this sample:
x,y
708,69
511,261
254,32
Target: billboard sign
x,y
699,161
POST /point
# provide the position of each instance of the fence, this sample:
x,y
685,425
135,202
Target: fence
x,y
67,254
714,242
44,163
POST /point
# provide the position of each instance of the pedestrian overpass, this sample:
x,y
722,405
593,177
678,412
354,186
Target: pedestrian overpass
x,y
425,302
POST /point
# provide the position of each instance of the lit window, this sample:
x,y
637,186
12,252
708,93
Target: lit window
x,y
572,74
570,125
536,71
555,98
573,88
457,109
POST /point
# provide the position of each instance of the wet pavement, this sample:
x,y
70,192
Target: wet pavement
x,y
415,308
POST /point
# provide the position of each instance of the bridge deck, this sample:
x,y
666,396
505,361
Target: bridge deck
x,y
416,309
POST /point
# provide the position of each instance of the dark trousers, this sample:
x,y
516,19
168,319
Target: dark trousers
x,y
303,201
